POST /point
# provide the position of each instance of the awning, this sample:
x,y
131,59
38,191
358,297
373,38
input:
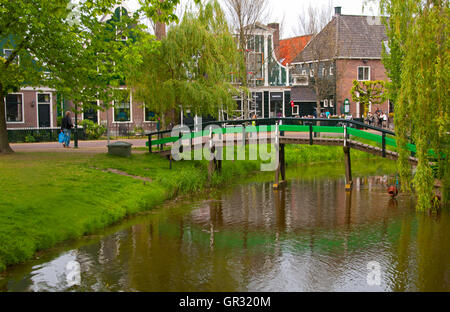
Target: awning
x,y
303,94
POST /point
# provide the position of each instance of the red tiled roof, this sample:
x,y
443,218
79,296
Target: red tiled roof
x,y
290,48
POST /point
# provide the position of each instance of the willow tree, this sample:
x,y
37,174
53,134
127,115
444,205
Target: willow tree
x,y
418,63
190,68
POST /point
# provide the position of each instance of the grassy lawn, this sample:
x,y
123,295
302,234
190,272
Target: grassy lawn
x,y
47,198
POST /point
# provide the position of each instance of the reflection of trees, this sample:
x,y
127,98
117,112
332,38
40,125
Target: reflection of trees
x,y
254,234
432,255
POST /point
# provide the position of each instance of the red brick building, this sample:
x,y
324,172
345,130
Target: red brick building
x,y
348,48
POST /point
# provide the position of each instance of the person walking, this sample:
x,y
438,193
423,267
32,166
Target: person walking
x,y
254,120
385,120
66,127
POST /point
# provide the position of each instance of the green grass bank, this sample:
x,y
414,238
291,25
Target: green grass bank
x,y
48,198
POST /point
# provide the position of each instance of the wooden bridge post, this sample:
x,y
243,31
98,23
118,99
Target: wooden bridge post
x,y
383,145
282,164
345,135
310,133
348,169
221,153
279,148
150,143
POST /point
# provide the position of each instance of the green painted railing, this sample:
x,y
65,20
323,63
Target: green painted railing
x,y
382,139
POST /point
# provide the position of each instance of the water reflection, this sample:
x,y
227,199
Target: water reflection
x,y
309,236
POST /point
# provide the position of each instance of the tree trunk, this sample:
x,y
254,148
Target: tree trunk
x,y
4,144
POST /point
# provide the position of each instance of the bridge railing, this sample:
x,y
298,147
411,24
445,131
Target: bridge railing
x,y
287,124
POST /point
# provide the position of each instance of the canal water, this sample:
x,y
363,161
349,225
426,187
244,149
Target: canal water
x,y
309,236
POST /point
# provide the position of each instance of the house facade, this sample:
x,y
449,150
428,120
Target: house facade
x,y
268,77
348,48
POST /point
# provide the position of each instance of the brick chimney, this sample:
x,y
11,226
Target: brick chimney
x,y
276,37
337,11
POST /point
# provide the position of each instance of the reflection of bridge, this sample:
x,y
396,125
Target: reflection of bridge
x,y
282,131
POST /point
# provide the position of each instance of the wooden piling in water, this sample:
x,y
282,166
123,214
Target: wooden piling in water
x,y
348,169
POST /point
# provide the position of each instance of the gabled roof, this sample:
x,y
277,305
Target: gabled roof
x,y
346,36
291,47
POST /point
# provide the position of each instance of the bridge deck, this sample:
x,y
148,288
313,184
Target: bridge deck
x,y
297,138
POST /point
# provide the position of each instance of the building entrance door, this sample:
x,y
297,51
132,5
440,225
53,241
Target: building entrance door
x,y
276,104
44,110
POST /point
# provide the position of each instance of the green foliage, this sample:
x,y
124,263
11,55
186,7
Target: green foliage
x,y
419,67
29,138
191,67
84,58
369,92
93,131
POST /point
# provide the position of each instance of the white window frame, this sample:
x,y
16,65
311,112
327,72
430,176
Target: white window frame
x,y
98,112
296,78
131,111
368,78
324,72
253,76
23,110
331,71
145,121
311,72
37,108
295,110
325,103
12,51
331,103
304,72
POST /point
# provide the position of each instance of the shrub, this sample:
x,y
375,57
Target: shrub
x,y
93,131
29,138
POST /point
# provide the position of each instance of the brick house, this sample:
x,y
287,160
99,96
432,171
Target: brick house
x,y
348,48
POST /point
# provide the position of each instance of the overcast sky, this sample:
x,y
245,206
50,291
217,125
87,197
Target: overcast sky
x,y
289,10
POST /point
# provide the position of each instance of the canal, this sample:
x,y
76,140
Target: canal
x,y
309,236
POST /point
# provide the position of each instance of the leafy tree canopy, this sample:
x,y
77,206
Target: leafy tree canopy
x,y
70,46
191,67
369,92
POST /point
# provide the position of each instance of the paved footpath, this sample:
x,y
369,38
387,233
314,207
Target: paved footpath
x,y
99,146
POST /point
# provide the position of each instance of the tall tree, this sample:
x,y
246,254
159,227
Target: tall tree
x,y
57,47
419,67
190,68
244,14
313,19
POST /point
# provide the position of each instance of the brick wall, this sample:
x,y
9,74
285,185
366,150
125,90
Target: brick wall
x,y
347,71
30,111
